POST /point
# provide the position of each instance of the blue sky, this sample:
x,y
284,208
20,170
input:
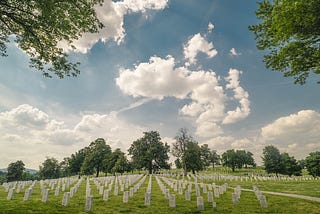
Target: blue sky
x,y
159,65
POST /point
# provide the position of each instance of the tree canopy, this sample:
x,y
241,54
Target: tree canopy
x,y
50,169
15,171
95,159
313,163
289,32
37,27
149,152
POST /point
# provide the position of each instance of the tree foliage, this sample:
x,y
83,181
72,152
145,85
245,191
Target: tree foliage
x,y
38,26
50,169
237,159
289,32
276,162
95,158
312,163
15,171
149,152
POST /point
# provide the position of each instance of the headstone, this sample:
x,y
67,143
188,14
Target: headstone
x,y
131,192
200,203
57,191
106,195
216,192
210,196
172,201
10,194
235,198
263,201
116,190
101,190
88,205
45,196
197,191
66,199
125,198
214,205
187,195
147,199
167,194
27,194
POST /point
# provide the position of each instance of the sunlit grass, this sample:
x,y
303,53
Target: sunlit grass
x,y
248,203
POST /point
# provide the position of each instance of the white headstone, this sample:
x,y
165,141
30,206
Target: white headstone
x,y
214,205
235,198
116,190
172,201
88,205
106,195
210,196
200,203
27,194
187,195
147,198
263,201
10,194
66,199
216,192
57,191
125,197
45,195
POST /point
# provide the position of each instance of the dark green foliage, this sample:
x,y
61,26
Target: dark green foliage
x,y
237,159
272,159
76,160
313,163
96,156
193,157
50,169
15,171
274,162
289,32
178,163
290,165
38,26
149,152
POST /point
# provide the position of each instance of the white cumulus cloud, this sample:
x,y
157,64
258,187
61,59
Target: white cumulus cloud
x,y
297,133
111,14
195,45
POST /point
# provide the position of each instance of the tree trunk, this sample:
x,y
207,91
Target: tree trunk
x,y
193,172
233,168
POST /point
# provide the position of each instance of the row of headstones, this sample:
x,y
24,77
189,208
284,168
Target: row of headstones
x,y
235,196
11,189
126,194
200,199
251,178
147,195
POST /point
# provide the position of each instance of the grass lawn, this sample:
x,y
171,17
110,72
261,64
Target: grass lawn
x,y
248,202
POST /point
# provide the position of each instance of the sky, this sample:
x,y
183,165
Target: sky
x,y
158,65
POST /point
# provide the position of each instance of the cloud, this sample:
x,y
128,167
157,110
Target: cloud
x,y
205,92
198,44
240,95
111,14
297,133
233,52
29,134
210,27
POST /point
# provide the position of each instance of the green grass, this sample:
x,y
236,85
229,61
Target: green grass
x,y
159,204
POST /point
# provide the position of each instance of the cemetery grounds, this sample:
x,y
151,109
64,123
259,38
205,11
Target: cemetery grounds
x,y
164,193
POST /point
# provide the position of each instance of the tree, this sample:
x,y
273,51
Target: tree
x,y
205,155
121,165
230,159
38,26
76,161
290,165
15,171
313,163
149,152
96,156
193,157
179,147
178,164
50,169
289,31
214,158
272,160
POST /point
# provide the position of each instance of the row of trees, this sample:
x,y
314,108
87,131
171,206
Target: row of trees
x,y
283,163
150,153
